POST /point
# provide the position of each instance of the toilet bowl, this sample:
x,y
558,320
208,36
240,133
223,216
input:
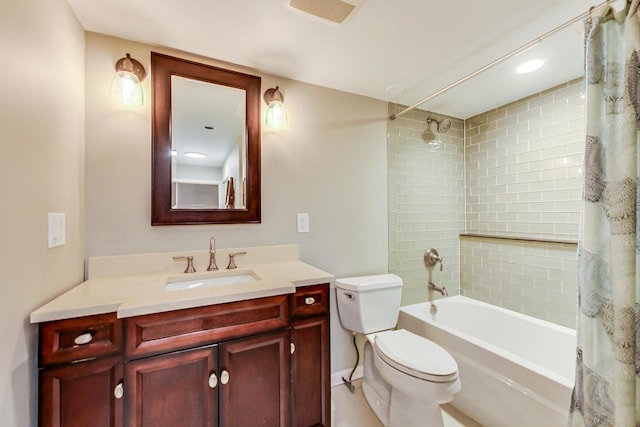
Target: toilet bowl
x,y
422,376
406,376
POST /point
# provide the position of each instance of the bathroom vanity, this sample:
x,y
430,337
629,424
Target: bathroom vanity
x,y
259,356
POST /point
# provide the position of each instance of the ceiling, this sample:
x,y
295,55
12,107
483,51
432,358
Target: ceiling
x,y
395,50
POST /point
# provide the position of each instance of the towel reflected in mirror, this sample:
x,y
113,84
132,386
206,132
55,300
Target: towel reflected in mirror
x,y
231,193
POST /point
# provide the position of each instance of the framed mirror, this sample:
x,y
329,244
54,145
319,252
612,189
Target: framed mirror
x,y
205,144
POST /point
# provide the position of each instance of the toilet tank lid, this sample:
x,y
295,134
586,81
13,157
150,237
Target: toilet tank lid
x,y
369,283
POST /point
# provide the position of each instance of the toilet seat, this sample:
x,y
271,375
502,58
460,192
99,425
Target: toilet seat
x,y
416,356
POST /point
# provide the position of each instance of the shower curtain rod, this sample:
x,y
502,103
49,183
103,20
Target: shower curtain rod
x,y
502,58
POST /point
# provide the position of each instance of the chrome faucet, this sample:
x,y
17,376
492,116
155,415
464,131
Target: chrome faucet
x,y
190,268
433,287
212,255
232,261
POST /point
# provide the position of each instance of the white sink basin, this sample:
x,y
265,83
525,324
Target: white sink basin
x,y
174,284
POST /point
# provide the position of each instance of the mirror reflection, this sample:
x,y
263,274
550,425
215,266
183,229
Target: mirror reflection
x,y
208,145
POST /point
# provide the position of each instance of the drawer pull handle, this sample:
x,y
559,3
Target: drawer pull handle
x,y
309,300
118,392
224,377
213,380
82,339
293,348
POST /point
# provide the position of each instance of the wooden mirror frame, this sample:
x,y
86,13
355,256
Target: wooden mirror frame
x,y
162,68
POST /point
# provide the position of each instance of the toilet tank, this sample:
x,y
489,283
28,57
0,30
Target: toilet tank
x,y
369,304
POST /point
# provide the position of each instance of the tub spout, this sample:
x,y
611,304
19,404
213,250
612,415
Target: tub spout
x,y
433,287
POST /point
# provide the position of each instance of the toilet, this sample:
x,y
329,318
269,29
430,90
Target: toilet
x,y
406,377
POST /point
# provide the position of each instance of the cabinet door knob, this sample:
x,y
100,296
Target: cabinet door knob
x,y
309,300
213,380
293,348
118,392
82,339
224,376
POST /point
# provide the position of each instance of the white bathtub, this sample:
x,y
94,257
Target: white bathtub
x,y
516,370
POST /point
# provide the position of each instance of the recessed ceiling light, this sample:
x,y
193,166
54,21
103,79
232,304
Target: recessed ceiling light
x,y
194,155
529,66
174,153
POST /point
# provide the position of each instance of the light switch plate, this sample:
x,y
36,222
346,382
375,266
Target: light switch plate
x,y
56,230
303,222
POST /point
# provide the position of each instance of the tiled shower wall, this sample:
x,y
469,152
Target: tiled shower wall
x,y
426,202
534,278
524,166
523,169
524,178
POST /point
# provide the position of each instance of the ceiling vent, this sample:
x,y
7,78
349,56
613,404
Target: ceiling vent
x,y
336,11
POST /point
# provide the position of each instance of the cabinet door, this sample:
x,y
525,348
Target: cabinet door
x,y
255,381
310,366
175,389
82,394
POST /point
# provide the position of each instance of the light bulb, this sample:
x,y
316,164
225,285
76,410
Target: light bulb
x,y
125,87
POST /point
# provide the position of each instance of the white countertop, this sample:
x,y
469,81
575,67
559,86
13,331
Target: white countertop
x,y
140,294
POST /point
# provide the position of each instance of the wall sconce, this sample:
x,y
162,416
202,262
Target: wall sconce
x,y
125,86
276,114
432,134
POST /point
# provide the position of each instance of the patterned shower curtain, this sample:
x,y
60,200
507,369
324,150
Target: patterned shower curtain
x,y
607,388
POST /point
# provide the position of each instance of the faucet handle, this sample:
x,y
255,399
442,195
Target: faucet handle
x,y
232,261
431,258
190,268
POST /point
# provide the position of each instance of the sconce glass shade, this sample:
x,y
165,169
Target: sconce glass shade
x,y
276,116
125,86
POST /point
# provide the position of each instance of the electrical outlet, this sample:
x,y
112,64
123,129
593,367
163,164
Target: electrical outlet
x,y
56,230
303,222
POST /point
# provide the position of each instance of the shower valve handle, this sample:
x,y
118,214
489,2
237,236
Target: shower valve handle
x,y
431,258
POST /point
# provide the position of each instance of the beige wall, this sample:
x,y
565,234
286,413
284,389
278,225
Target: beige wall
x,y
329,162
41,171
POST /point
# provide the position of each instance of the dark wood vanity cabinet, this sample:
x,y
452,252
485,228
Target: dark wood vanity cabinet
x,y
172,389
310,364
257,362
242,382
82,394
81,372
258,384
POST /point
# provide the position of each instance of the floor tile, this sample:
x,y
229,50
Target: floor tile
x,y
352,410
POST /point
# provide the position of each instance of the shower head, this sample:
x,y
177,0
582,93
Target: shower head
x,y
444,125
432,134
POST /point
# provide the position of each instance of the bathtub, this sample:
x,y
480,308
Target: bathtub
x,y
516,370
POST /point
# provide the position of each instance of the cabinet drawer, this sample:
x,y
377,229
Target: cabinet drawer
x,y
175,330
310,300
81,338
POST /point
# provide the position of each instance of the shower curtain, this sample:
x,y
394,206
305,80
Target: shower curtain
x,y
607,387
